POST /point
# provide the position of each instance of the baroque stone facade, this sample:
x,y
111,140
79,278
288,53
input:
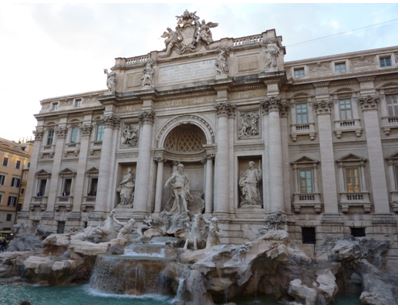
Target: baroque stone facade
x,y
314,140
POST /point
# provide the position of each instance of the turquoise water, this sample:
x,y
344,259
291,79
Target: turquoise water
x,y
13,294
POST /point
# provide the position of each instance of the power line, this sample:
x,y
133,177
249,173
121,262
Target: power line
x,y
345,32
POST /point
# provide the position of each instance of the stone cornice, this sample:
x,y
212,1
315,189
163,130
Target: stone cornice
x,y
323,106
368,102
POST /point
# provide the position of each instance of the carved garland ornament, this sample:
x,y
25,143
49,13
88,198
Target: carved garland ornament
x,y
111,120
323,107
86,129
146,117
61,131
225,109
38,134
273,104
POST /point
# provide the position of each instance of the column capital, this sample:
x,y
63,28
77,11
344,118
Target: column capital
x,y
274,104
225,109
323,106
39,132
61,131
147,117
368,102
86,129
111,120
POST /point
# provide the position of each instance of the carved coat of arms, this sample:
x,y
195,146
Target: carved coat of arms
x,y
189,34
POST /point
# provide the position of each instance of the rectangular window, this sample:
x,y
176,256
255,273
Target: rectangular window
x,y
67,187
12,201
308,235
18,164
5,161
357,232
305,181
93,187
42,187
352,179
301,114
50,136
340,67
391,105
15,182
345,109
60,227
74,135
385,61
9,217
2,179
54,106
99,132
395,175
299,72
77,102
1,198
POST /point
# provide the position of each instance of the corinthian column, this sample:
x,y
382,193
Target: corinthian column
x,y
323,108
221,197
143,165
369,107
80,173
30,189
61,132
272,106
103,186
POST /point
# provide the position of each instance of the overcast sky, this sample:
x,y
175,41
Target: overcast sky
x,y
49,50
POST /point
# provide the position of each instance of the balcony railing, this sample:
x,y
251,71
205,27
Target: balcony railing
x,y
355,199
38,202
389,123
351,125
302,129
303,200
247,40
64,202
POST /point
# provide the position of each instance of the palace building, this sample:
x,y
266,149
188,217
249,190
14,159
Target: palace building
x,y
313,142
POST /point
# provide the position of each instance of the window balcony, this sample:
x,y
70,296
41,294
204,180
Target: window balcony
x,y
88,203
307,200
64,202
359,199
352,125
389,123
38,202
393,200
302,129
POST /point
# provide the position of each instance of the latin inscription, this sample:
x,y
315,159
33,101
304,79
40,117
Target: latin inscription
x,y
186,72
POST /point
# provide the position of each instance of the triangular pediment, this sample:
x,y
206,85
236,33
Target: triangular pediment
x,y
42,173
67,172
351,158
305,160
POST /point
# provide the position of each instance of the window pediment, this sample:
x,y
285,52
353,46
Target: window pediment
x,y
42,174
304,161
67,173
92,171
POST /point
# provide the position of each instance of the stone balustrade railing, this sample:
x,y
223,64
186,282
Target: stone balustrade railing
x,y
137,59
247,40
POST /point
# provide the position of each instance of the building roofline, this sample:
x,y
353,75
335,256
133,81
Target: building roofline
x,y
343,55
69,96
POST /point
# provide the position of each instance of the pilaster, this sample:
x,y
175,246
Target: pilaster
x,y
323,108
369,108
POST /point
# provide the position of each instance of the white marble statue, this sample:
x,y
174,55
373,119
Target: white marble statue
x,y
194,232
222,63
111,80
249,186
272,53
148,72
213,233
205,34
179,184
125,190
172,38
126,231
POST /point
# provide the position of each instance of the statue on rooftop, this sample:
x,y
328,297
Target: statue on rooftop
x,y
111,80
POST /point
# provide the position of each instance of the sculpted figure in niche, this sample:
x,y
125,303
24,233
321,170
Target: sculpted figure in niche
x,y
111,80
248,124
222,63
272,52
125,190
148,72
249,187
130,135
179,183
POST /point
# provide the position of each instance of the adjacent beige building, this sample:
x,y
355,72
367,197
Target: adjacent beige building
x,y
321,133
14,159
